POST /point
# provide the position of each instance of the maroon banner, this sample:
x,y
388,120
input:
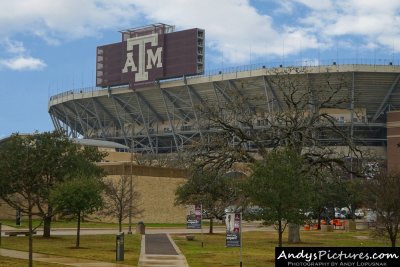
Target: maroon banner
x,y
233,221
194,216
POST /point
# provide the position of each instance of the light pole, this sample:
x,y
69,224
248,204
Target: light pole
x,y
130,192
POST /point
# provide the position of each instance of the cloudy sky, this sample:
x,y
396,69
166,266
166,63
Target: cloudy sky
x,y
48,46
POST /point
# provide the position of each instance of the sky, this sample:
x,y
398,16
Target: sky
x,y
49,46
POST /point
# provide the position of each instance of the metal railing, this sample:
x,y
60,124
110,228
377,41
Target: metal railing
x,y
256,66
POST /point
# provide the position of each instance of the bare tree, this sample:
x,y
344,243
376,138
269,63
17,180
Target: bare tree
x,y
384,195
292,112
121,199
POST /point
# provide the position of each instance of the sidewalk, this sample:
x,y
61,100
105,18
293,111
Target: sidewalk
x,y
57,259
156,250
159,250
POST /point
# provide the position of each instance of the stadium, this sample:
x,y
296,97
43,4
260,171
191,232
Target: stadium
x,y
150,85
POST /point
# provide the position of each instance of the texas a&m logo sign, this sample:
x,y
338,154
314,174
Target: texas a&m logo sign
x,y
146,59
150,53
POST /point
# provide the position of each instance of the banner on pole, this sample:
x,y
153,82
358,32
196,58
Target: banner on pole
x,y
194,216
233,223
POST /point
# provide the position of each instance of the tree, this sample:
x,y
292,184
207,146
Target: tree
x,y
78,196
292,112
56,159
120,199
383,193
326,194
20,182
335,188
279,185
207,187
59,159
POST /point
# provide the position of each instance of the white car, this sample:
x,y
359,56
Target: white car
x,y
359,214
371,216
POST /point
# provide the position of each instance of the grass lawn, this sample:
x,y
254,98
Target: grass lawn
x,y
259,247
95,247
11,262
87,224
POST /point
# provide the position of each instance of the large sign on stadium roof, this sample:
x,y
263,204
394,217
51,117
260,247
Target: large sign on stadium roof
x,y
150,53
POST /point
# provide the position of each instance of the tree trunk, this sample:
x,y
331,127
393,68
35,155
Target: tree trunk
x,y
280,233
30,236
47,225
392,235
120,224
319,222
294,233
211,226
78,230
393,241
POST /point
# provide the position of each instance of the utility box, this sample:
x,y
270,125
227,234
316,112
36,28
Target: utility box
x,y
140,228
120,247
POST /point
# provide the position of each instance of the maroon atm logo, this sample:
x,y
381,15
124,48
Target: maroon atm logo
x,y
146,59
146,55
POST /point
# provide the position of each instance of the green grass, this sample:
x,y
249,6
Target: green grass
x,y
61,224
259,247
94,247
88,224
11,262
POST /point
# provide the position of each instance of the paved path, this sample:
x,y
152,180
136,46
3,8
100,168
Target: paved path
x,y
159,244
159,250
58,259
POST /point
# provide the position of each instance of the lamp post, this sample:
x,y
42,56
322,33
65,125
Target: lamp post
x,y
130,192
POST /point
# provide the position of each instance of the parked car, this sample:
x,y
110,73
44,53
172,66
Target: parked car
x,y
342,213
359,214
371,216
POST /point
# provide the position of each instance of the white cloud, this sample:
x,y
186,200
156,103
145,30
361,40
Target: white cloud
x,y
23,63
64,19
316,4
374,21
286,7
12,46
19,58
234,28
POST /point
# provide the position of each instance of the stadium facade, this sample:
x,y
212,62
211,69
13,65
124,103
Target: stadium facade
x,y
150,85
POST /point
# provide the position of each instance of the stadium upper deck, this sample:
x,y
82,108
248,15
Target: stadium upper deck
x,y
163,116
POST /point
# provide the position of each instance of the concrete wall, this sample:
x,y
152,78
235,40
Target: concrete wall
x,y
6,212
157,196
156,186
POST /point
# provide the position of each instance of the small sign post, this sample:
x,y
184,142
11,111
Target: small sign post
x,y
194,219
233,221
